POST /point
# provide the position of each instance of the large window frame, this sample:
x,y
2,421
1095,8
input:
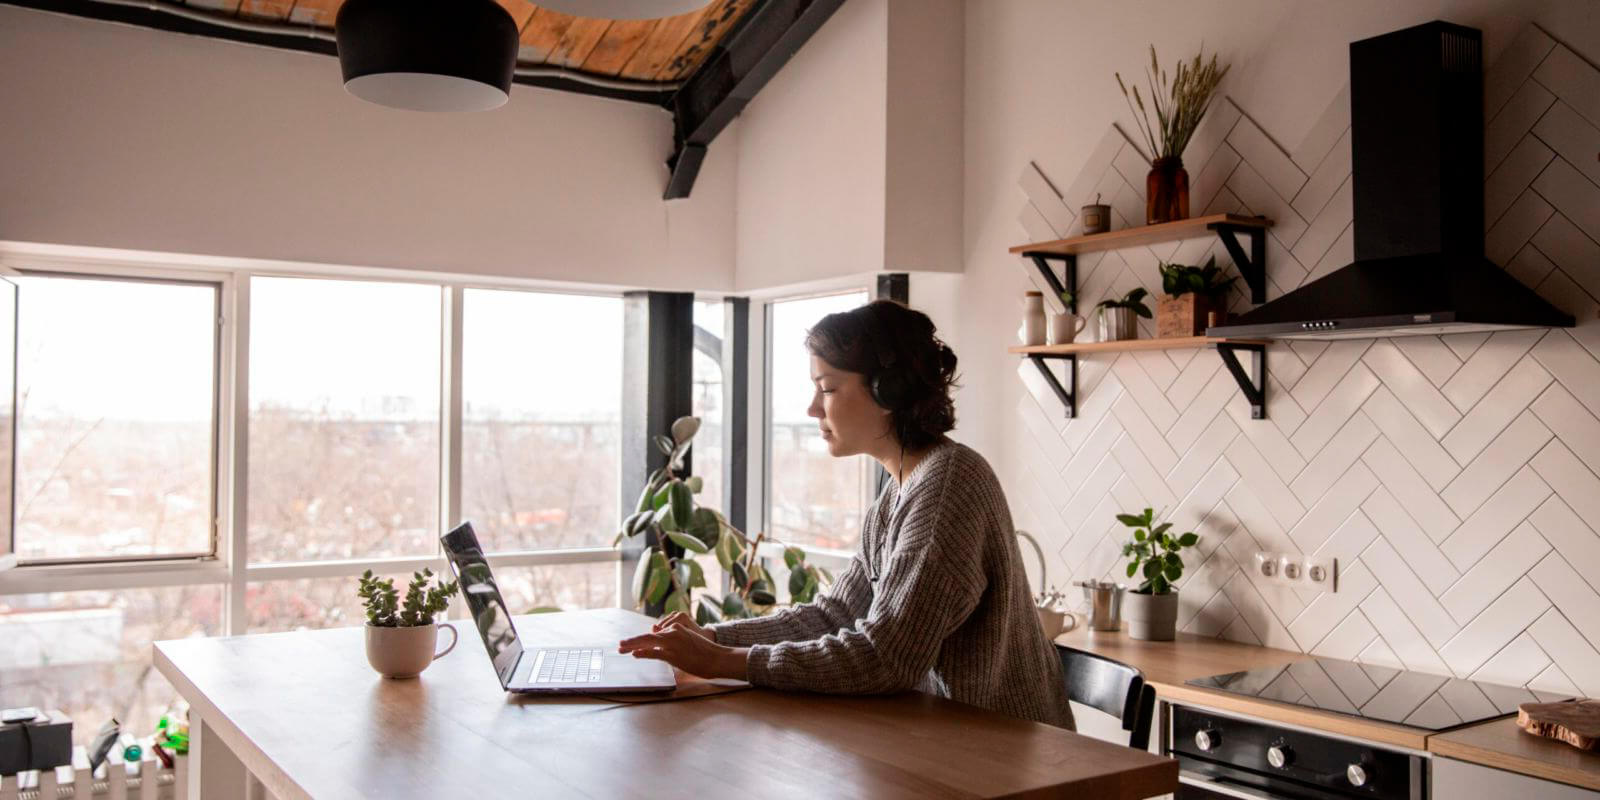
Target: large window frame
x,y
228,565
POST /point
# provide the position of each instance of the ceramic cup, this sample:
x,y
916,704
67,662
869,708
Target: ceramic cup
x,y
1055,622
1065,327
406,652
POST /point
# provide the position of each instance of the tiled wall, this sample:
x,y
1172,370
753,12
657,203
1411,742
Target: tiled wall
x,y
1454,478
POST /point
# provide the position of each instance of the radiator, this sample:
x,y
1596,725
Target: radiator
x,y
147,780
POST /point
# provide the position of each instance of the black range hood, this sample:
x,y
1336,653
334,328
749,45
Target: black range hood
x,y
1416,103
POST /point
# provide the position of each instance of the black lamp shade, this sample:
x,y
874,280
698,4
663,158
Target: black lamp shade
x,y
427,55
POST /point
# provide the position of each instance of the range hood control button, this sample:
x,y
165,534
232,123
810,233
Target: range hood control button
x,y
1207,739
1357,774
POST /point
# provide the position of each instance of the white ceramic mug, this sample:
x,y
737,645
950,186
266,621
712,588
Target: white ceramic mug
x,y
1055,622
405,652
1064,328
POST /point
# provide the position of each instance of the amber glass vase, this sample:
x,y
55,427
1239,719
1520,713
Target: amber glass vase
x,y
1166,191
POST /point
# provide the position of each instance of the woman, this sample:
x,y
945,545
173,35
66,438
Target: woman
x,y
935,599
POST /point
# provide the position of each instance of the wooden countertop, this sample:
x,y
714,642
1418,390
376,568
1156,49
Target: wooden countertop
x,y
309,718
1166,665
1502,745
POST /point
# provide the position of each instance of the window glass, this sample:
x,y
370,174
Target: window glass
x,y
706,455
541,419
816,500
89,653
311,603
116,423
344,419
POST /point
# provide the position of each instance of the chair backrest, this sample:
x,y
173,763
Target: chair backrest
x,y
1112,687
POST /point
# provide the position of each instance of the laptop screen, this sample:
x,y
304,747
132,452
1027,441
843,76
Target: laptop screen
x,y
483,597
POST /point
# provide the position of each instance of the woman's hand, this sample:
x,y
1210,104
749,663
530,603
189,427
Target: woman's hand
x,y
683,620
687,646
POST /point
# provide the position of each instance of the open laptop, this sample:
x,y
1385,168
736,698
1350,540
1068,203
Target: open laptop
x,y
581,669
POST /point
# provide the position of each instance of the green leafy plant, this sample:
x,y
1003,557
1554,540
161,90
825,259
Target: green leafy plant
x,y
1179,105
1181,279
386,610
676,528
1067,299
1134,300
1153,552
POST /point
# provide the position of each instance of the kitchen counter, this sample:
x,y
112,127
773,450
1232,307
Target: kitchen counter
x,y
1502,745
1166,665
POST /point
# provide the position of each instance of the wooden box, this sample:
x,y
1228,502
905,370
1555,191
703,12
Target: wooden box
x,y
1184,315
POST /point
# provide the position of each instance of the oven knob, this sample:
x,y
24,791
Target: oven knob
x,y
1280,756
1207,739
1358,774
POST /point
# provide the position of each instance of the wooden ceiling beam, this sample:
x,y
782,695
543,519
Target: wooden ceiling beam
x,y
736,70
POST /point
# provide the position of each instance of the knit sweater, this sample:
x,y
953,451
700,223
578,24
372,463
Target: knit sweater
x,y
935,599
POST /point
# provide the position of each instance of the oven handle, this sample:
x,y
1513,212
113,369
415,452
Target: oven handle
x,y
1198,780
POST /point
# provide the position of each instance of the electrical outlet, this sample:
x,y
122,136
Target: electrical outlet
x,y
1314,573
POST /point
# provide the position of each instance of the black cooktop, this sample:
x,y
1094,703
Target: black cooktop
x,y
1429,702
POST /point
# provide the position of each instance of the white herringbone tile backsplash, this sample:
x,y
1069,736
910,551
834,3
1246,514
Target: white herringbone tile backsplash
x,y
1454,478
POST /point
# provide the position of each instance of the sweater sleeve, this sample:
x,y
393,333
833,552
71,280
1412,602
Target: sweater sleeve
x,y
838,607
932,581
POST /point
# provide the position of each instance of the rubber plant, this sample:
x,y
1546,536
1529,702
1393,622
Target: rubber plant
x,y
676,527
1181,279
1153,553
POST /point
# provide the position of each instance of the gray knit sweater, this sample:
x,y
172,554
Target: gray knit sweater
x,y
935,599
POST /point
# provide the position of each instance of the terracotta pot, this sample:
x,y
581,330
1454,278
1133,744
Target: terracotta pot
x,y
405,652
1184,315
1151,616
1166,191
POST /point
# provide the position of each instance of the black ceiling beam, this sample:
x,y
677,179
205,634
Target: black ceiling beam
x,y
290,39
735,71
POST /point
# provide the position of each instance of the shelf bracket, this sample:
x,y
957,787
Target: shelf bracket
x,y
1069,270
1068,397
1253,266
1254,384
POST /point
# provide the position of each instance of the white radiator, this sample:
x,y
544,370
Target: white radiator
x,y
147,780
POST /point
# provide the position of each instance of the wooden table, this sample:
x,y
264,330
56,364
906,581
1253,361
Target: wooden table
x,y
306,716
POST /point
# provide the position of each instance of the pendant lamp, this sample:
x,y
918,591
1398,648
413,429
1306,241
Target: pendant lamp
x,y
624,9
427,55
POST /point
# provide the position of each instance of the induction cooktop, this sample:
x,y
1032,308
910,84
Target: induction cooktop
x,y
1429,702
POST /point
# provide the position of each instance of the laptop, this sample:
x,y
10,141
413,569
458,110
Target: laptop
x,y
582,669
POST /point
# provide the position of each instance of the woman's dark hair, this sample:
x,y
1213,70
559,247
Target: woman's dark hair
x,y
908,369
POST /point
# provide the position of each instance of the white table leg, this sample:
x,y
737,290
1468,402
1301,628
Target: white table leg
x,y
214,770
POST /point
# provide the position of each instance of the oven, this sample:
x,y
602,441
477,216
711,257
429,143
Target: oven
x,y
1225,756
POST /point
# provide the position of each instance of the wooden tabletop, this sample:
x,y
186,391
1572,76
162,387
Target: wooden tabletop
x,y
1503,745
309,718
1167,665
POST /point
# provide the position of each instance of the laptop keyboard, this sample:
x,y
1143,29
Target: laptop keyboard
x,y
567,666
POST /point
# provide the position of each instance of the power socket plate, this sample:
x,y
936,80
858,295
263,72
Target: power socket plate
x,y
1294,570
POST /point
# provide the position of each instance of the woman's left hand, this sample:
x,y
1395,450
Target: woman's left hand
x,y
689,651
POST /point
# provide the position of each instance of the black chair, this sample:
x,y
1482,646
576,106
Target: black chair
x,y
1112,687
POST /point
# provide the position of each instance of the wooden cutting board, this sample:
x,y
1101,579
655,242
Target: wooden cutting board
x,y
1576,723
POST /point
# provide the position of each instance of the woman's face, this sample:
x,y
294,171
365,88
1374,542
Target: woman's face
x,y
852,422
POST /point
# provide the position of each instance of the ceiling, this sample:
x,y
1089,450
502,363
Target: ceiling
x,y
655,50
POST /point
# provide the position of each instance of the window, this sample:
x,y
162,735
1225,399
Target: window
x,y
344,419
707,455
541,419
117,418
815,500
88,653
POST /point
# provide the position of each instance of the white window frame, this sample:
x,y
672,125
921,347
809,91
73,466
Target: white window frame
x,y
229,566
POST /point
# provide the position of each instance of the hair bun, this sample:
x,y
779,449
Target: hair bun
x,y
947,358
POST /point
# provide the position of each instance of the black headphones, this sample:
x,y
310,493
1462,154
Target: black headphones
x,y
891,386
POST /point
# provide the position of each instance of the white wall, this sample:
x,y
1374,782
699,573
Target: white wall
x,y
1462,515
116,136
849,159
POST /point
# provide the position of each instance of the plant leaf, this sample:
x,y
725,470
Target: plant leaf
x,y
641,577
797,582
1162,528
697,574
1138,534
1131,520
662,496
682,504
707,612
792,556
704,525
676,602
663,444
696,483
1152,568
687,542
684,428
1188,540
728,550
733,606
659,582
1133,566
762,597
1172,571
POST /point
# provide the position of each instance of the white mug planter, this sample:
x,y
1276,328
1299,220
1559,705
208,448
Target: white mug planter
x,y
405,652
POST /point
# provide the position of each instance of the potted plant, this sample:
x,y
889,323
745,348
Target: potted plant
x,y
1179,107
1152,608
1189,295
1117,315
401,636
676,528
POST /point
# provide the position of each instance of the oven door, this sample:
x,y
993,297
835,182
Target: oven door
x,y
1211,782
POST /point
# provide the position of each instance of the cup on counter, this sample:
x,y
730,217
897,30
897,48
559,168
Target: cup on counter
x,y
1055,622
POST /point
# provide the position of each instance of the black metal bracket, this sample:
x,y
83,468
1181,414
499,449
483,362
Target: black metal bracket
x,y
1254,384
1069,269
1069,398
1253,266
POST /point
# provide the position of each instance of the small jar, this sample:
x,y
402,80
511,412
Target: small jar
x,y
1032,332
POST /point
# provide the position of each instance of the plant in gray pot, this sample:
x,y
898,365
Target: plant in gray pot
x,y
1117,315
1152,609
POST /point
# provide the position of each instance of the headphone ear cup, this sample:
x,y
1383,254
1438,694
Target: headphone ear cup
x,y
889,389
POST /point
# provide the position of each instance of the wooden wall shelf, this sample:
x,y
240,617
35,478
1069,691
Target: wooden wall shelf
x,y
1252,381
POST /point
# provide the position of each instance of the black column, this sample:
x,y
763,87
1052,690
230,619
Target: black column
x,y
657,388
736,399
